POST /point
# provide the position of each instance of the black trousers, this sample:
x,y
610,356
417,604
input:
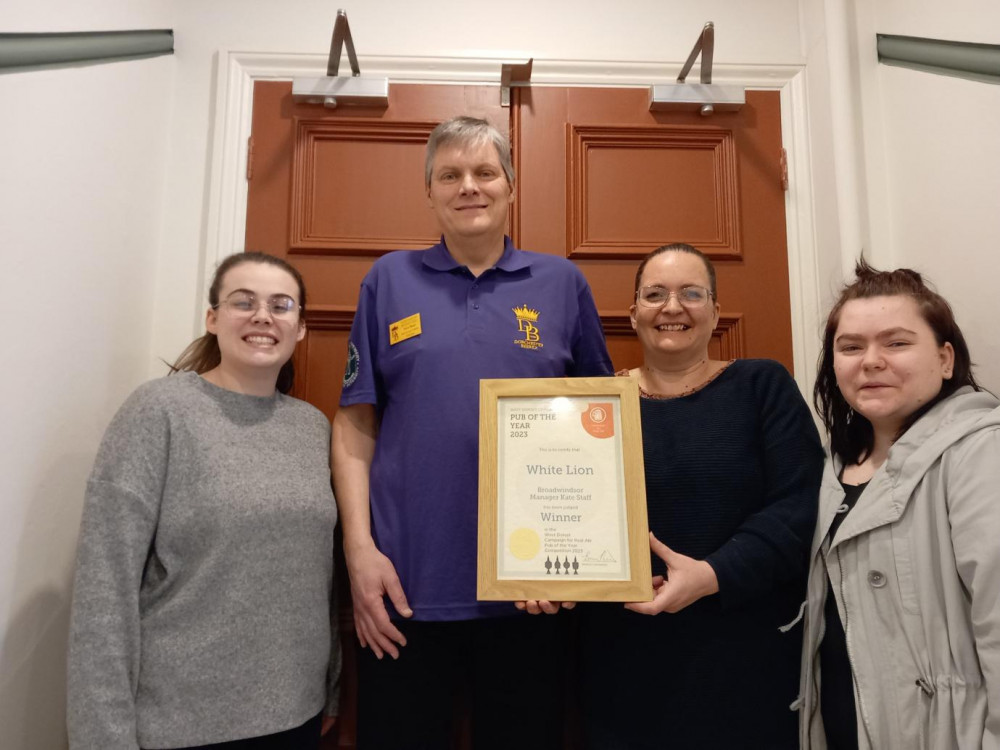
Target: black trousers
x,y
304,737
507,673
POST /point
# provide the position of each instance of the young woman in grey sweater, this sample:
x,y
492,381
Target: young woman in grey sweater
x,y
203,607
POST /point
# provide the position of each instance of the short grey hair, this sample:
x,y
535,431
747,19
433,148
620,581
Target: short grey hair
x,y
468,131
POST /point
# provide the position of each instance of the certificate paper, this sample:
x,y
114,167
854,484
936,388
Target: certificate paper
x,y
561,491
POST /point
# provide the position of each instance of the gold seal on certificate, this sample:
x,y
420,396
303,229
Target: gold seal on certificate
x,y
562,498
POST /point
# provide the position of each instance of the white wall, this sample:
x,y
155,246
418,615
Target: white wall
x,y
934,160
82,165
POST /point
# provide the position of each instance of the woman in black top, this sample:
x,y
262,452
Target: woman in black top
x,y
733,463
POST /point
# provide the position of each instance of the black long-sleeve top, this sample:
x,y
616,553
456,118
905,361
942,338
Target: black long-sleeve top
x,y
732,476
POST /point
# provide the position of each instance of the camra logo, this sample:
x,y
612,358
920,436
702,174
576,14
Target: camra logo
x,y
353,365
526,319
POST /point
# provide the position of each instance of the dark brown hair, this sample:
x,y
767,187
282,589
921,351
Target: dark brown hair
x,y
203,354
851,435
680,247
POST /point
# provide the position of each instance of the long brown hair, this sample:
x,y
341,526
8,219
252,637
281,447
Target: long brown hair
x,y
851,435
203,354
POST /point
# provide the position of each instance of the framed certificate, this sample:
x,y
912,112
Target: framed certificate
x,y
562,496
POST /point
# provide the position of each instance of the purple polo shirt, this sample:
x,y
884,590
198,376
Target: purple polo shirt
x,y
424,383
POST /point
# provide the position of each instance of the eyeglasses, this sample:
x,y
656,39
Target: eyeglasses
x,y
658,296
281,306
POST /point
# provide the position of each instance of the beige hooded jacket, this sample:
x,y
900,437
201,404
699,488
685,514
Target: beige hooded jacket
x,y
915,568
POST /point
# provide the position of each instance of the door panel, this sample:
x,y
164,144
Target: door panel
x,y
340,166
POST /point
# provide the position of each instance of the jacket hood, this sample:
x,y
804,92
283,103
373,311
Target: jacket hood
x,y
960,415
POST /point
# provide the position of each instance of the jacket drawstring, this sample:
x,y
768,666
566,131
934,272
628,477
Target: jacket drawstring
x,y
925,685
796,621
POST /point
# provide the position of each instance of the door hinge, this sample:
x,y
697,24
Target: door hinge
x,y
249,158
784,170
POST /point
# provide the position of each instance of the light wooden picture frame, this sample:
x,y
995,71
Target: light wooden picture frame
x,y
562,497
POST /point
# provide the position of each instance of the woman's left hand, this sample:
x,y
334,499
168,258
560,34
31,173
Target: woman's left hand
x,y
687,581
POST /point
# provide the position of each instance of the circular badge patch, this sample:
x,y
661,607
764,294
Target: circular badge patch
x,y
353,364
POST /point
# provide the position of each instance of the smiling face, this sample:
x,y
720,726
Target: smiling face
x,y
256,341
469,192
674,330
887,361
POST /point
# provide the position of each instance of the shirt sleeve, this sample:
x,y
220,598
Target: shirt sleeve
x,y
117,530
973,496
360,384
772,545
590,351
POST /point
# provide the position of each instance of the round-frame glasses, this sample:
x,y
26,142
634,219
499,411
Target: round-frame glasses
x,y
655,296
240,303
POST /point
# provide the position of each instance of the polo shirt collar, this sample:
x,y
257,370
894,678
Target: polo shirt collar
x,y
439,259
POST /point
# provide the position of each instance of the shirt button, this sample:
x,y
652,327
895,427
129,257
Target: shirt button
x,y
475,306
475,286
876,578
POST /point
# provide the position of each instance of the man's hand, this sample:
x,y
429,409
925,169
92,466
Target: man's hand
x,y
538,606
372,577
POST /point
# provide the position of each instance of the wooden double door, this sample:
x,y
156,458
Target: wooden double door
x,y
600,180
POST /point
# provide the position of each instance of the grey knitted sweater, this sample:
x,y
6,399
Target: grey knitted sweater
x,y
202,609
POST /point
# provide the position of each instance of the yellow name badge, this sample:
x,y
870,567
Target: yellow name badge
x,y
404,329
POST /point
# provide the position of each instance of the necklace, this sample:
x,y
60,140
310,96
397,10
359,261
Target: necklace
x,y
682,389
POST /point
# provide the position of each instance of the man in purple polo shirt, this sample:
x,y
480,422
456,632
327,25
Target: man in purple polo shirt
x,y
428,327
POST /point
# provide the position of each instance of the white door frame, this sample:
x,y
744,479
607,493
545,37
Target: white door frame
x,y
238,71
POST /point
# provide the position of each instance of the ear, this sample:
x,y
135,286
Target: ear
x,y
947,354
715,315
631,315
301,332
212,320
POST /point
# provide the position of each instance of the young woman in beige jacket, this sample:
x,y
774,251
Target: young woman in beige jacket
x,y
902,621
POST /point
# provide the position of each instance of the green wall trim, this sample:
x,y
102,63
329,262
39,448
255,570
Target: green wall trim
x,y
977,62
70,48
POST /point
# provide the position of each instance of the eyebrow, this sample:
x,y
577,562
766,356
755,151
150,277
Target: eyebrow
x,y
255,294
456,168
685,285
886,334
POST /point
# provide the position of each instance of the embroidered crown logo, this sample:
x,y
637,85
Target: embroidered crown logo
x,y
525,313
526,319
